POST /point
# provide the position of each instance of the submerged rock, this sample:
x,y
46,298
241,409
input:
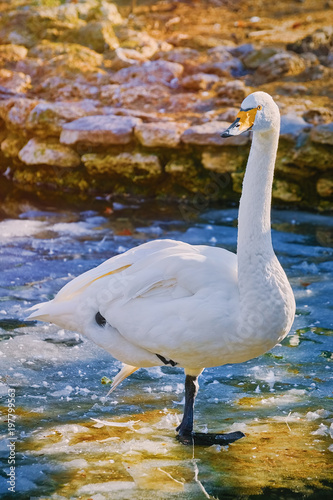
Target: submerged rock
x,y
50,152
99,130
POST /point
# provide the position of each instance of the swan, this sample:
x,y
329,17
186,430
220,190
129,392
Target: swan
x,y
167,302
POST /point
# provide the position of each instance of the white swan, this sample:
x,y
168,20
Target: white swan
x,y
171,303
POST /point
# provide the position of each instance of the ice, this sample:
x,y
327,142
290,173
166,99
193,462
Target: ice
x,y
106,487
57,373
12,229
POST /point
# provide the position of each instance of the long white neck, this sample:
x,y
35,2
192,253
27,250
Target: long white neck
x,y
266,300
254,221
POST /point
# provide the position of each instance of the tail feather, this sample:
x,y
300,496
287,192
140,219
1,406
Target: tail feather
x,y
124,373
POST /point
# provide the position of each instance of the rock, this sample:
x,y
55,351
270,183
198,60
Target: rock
x,y
123,58
15,112
257,57
320,42
12,145
134,166
223,161
15,81
181,55
292,126
280,65
97,35
210,134
286,191
199,81
231,92
11,53
145,97
99,130
140,41
183,172
105,11
50,50
325,187
149,73
58,88
323,134
160,134
318,116
48,118
232,67
313,155
41,152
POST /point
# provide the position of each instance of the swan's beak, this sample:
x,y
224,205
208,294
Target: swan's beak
x,y
244,121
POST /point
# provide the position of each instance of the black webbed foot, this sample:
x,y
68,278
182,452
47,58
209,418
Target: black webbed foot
x,y
203,439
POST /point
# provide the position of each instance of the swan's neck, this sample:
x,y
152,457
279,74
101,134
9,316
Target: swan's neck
x,y
254,221
266,300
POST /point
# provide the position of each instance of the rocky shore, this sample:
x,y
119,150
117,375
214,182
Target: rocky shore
x,y
94,101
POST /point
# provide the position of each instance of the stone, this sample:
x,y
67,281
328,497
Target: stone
x,y
48,118
105,11
223,161
231,92
51,50
14,80
134,166
318,115
286,191
325,187
12,145
145,97
15,112
209,134
257,57
150,72
313,155
199,81
292,126
160,134
140,41
11,53
97,35
50,152
320,42
99,130
323,134
280,65
124,58
180,55
232,67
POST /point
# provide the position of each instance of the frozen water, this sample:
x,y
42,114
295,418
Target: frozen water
x,y
119,445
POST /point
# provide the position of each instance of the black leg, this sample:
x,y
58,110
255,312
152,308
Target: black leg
x,y
185,429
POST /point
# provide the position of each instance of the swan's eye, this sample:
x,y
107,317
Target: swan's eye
x,y
100,320
259,107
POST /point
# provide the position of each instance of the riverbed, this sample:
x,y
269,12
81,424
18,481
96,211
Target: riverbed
x,y
72,441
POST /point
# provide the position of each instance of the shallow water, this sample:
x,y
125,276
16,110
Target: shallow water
x,y
73,442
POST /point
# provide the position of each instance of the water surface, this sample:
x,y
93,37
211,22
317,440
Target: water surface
x,y
73,442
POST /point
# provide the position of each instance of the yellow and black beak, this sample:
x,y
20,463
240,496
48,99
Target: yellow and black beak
x,y
244,121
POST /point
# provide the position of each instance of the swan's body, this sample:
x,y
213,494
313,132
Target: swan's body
x,y
167,302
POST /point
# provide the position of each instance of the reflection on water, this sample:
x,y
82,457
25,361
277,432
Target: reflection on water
x,y
73,442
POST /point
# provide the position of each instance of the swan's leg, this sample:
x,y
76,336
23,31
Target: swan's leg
x,y
185,429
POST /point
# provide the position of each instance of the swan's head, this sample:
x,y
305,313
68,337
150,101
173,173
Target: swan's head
x,y
258,113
